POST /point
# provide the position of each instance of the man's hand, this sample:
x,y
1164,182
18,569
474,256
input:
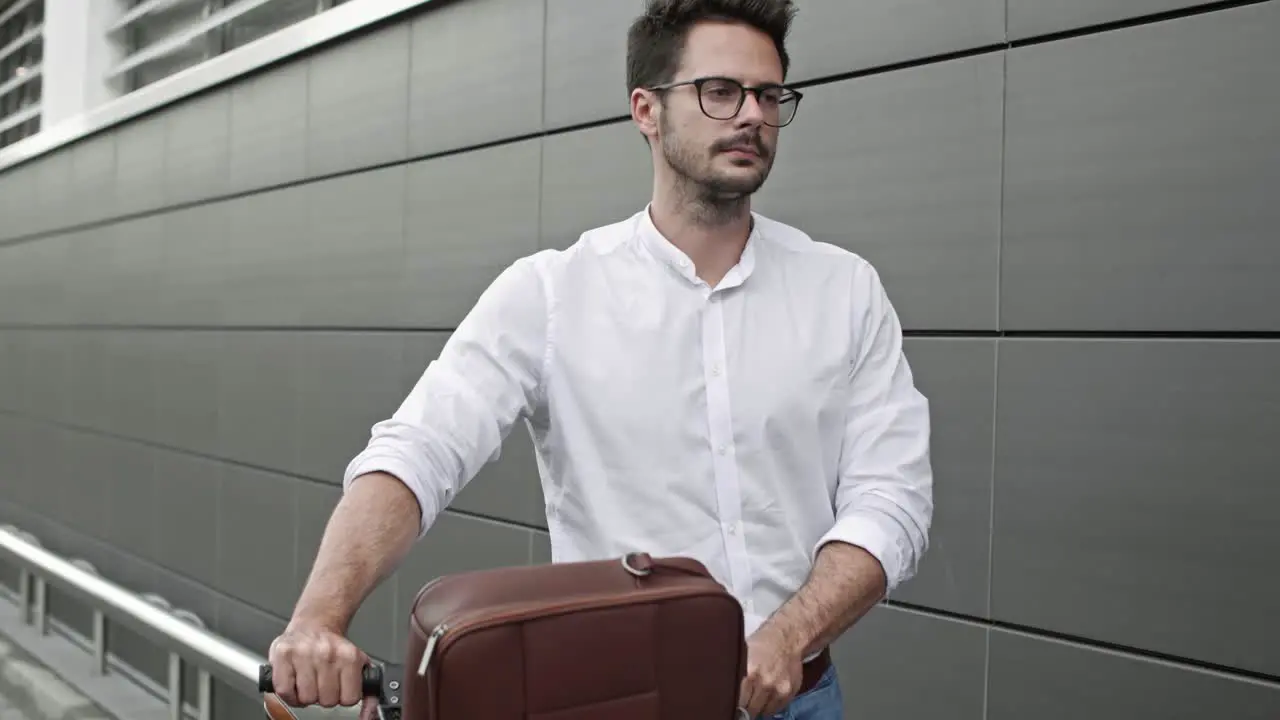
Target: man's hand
x,y
775,671
312,664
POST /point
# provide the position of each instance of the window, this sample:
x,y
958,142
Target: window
x,y
21,57
163,37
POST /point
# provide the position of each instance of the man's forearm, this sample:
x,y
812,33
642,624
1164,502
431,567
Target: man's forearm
x,y
845,583
371,530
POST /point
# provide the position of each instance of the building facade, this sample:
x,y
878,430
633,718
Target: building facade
x,y
215,276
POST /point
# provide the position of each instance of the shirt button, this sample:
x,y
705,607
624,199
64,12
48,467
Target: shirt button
x,y
723,449
732,528
715,371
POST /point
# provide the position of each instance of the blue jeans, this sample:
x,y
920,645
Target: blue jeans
x,y
823,702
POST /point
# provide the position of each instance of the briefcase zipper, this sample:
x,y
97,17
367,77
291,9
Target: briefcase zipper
x,y
432,639
591,603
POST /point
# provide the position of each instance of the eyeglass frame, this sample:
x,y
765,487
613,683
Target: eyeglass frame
x,y
698,82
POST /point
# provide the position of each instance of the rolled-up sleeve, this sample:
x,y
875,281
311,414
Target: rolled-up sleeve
x,y
884,496
459,412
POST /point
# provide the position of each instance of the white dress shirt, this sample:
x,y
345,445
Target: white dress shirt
x,y
742,425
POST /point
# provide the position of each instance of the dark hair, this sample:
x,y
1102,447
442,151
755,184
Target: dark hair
x,y
655,41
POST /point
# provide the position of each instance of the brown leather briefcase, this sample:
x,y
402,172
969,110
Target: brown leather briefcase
x,y
634,638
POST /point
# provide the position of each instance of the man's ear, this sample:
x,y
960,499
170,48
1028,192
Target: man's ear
x,y
645,112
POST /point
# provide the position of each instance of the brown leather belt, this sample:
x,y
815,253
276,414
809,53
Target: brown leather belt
x,y
814,670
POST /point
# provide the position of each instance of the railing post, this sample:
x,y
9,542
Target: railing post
x,y
24,594
204,680
175,687
99,642
176,709
26,578
99,625
42,606
204,685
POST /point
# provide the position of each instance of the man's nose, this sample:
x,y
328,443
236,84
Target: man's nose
x,y
751,113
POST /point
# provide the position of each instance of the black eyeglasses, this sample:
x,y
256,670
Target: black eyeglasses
x,y
721,98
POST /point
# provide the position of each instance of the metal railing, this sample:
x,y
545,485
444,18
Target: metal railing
x,y
180,633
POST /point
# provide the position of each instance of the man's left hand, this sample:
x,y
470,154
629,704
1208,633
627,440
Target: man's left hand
x,y
774,674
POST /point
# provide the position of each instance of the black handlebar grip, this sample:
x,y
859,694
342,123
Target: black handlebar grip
x,y
370,680
264,679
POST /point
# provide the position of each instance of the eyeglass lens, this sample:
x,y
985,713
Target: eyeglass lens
x,y
723,98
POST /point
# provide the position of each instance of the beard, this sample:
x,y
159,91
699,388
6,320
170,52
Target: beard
x,y
715,198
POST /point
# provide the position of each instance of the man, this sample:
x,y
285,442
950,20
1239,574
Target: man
x,y
699,380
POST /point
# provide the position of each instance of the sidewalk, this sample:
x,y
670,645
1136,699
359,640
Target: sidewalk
x,y
30,691
9,711
50,678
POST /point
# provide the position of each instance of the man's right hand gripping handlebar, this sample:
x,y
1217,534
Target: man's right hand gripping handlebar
x,y
317,666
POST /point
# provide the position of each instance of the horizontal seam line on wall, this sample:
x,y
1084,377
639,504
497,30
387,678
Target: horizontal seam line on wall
x,y
146,563
238,463
550,132
960,617
83,430
887,68
518,524
1097,334
1126,23
217,594
301,329
410,159
511,140
308,180
985,623
1129,651
545,133
153,566
411,330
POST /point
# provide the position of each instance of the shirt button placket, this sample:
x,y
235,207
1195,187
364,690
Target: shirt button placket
x,y
720,423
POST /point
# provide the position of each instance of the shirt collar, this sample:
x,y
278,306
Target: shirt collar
x,y
675,258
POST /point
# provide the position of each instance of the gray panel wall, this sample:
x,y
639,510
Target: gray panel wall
x,y
203,311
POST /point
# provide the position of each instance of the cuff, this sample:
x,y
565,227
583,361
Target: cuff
x,y
364,464
878,535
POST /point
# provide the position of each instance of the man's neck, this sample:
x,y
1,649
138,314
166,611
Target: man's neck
x,y
712,236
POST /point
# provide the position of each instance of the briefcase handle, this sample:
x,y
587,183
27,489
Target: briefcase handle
x,y
642,564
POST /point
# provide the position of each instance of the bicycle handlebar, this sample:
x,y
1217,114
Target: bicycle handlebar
x,y
370,680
